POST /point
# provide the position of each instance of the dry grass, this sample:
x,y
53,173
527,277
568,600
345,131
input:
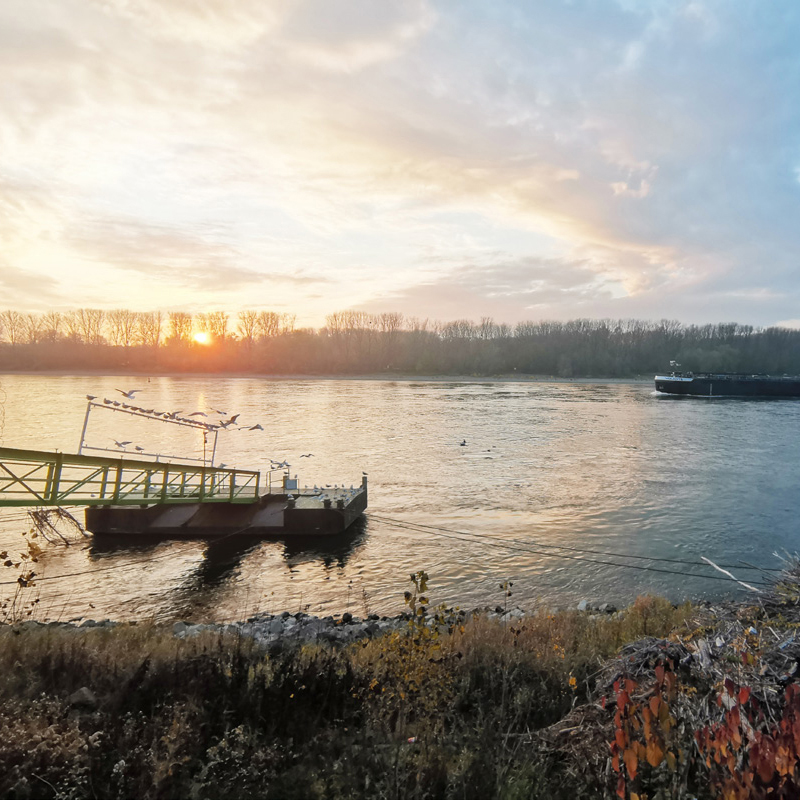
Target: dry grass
x,y
212,714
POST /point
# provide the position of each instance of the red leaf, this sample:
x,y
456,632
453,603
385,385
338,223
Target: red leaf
x,y
621,787
744,695
659,675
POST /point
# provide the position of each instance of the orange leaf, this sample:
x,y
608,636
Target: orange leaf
x,y
631,762
655,702
655,752
672,762
621,787
621,739
647,718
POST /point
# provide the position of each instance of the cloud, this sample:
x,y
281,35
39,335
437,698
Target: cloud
x,y
510,290
23,289
650,144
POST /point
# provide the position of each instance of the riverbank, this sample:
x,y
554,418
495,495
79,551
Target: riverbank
x,y
381,376
433,703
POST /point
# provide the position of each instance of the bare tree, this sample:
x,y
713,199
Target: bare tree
x,y
214,323
180,326
148,332
13,326
288,322
90,324
52,322
122,327
34,328
268,324
72,324
248,326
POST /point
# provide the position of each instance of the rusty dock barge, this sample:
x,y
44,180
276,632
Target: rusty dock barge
x,y
126,496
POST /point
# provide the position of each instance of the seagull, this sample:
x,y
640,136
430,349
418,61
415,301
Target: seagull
x,y
225,423
140,449
257,427
464,443
130,394
123,445
198,414
221,413
107,402
91,397
306,455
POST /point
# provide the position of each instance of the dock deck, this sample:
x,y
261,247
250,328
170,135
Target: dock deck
x,y
306,513
126,496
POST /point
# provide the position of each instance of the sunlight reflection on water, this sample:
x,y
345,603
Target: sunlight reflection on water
x,y
600,466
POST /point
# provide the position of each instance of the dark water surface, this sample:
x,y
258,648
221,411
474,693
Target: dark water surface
x,y
607,467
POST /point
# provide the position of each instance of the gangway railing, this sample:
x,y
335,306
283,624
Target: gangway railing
x,y
40,478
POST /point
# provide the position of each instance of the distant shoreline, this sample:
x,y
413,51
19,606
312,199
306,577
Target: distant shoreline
x,y
404,378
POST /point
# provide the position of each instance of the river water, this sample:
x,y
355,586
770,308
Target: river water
x,y
560,487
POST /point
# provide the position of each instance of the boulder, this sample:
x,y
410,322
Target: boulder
x,y
83,698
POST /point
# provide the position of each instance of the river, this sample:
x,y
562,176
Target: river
x,y
586,490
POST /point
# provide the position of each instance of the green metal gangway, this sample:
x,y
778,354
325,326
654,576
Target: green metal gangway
x,y
40,478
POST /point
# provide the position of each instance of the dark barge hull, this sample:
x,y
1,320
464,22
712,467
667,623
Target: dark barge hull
x,y
270,515
728,385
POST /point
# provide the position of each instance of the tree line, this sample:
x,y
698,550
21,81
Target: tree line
x,y
356,342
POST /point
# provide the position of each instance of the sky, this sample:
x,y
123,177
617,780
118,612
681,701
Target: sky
x,y
446,159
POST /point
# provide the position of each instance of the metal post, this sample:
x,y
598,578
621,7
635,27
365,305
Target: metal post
x,y
214,449
53,477
85,423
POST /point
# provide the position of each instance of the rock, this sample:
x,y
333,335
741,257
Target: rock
x,y
583,605
90,623
347,617
607,608
83,698
276,626
179,629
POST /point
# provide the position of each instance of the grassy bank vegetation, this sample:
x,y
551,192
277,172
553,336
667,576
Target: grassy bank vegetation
x,y
656,701
441,710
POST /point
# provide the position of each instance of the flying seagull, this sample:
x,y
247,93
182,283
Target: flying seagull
x,y
306,455
225,423
123,445
256,428
197,414
130,394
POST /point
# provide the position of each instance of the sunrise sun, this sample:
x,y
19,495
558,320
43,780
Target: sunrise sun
x,y
201,337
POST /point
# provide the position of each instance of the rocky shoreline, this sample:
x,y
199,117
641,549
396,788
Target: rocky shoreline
x,y
303,628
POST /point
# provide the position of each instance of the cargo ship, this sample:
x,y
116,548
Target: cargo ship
x,y
728,384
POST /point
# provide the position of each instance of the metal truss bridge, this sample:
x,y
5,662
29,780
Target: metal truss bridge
x,y
38,478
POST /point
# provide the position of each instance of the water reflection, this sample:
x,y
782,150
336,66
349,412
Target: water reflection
x,y
598,466
330,550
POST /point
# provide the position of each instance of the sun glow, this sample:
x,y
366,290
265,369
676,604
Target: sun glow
x,y
201,337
